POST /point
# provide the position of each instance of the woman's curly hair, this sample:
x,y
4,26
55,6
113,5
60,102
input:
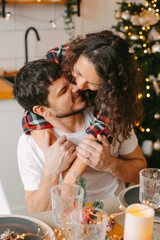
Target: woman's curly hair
x,y
120,80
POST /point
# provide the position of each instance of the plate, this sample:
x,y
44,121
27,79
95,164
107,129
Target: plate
x,y
24,224
130,195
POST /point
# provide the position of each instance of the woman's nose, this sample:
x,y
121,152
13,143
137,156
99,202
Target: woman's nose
x,y
74,87
81,83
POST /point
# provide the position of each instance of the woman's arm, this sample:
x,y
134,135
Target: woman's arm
x,y
39,136
77,169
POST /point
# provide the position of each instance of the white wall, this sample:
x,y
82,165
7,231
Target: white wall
x,y
96,15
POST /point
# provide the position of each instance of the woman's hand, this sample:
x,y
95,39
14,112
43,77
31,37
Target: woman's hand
x,y
95,155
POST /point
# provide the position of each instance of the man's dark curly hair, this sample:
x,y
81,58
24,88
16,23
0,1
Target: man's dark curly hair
x,y
32,81
119,79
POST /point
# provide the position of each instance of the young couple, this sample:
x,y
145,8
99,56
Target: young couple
x,y
100,62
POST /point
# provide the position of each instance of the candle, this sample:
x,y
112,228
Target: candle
x,y
138,222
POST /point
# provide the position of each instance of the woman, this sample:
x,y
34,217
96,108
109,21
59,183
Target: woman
x,y
101,62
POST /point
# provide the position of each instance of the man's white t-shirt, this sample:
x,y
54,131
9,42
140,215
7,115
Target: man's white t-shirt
x,y
99,185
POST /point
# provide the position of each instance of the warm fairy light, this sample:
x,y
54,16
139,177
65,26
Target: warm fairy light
x,y
144,45
147,87
138,69
142,129
38,0
137,124
140,95
126,27
130,27
152,1
129,5
135,57
129,34
148,129
157,14
7,16
157,10
146,3
53,24
143,28
154,5
145,51
149,9
140,32
148,95
141,37
148,27
142,8
135,13
147,79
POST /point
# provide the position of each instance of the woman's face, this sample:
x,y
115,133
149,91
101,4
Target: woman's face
x,y
85,74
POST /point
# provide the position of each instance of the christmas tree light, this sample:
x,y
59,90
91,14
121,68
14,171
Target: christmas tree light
x,y
139,24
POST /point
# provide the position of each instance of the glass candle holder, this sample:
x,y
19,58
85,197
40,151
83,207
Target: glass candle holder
x,y
88,224
65,198
138,222
149,191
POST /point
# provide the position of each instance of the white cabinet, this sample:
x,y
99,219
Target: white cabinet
x,y
10,130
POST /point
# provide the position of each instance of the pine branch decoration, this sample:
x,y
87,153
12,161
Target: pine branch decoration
x,y
82,183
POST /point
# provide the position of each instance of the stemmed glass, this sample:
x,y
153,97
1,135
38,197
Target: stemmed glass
x,y
65,198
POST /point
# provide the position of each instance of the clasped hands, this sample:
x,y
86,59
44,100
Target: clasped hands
x,y
60,155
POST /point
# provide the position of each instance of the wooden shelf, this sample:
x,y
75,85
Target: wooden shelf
x,y
36,1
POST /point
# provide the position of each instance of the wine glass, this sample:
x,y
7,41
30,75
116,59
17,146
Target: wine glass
x,y
65,198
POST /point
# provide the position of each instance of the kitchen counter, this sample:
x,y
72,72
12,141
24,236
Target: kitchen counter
x,y
5,90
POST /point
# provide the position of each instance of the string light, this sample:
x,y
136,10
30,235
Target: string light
x,y
145,51
147,79
8,16
144,45
149,9
129,5
146,3
135,57
143,28
147,87
126,27
148,95
148,129
53,24
129,34
140,95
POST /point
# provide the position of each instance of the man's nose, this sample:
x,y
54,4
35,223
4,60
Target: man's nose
x,y
81,83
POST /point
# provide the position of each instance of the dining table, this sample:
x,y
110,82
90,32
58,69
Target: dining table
x,y
111,206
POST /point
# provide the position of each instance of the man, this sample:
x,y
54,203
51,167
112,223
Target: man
x,y
40,87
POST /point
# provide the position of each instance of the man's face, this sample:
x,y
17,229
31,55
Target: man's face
x,y
64,98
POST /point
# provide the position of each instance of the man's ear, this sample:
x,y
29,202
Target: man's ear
x,y
41,110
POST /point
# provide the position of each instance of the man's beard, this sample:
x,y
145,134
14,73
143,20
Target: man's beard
x,y
71,113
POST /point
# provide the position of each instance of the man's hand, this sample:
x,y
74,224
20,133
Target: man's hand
x,y
58,156
95,155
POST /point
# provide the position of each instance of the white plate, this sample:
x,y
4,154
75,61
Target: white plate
x,y
125,205
45,228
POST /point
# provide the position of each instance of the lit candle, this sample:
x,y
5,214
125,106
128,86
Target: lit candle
x,y
138,222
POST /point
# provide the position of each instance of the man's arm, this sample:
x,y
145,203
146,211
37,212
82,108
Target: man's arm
x,y
58,158
98,156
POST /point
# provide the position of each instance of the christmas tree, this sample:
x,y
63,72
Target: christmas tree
x,y
139,23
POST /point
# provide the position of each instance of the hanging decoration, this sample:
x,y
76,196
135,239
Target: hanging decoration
x,y
145,18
